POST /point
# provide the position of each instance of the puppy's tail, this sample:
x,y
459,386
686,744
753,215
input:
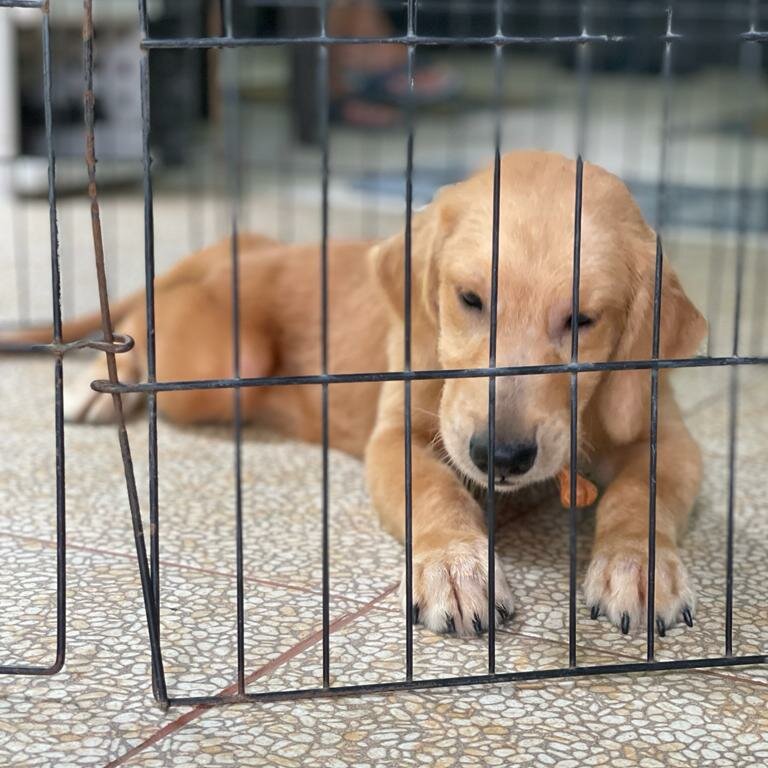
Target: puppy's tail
x,y
77,328
190,269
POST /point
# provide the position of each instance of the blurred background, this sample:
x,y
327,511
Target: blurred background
x,y
714,168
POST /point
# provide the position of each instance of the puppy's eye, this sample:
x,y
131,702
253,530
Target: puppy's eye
x,y
582,321
471,300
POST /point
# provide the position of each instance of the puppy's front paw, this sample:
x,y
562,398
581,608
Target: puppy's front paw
x,y
450,587
617,583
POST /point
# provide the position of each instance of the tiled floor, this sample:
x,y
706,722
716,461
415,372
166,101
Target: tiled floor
x,y
100,711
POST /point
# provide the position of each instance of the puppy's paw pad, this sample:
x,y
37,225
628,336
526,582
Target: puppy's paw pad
x,y
617,583
450,589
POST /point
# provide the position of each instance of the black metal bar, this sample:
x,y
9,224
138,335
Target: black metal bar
x,y
650,619
58,379
104,385
717,249
753,75
638,9
498,72
39,4
750,65
584,62
149,282
640,667
408,441
231,91
61,570
653,443
120,343
574,416
323,108
435,40
158,676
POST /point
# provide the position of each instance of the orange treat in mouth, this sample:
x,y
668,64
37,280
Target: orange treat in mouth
x,y
586,492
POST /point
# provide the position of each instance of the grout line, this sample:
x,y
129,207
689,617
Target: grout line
x,y
170,564
199,710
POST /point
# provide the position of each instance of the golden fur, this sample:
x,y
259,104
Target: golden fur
x,y
452,254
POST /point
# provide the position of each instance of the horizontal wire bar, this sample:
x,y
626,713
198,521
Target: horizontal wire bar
x,y
122,343
453,682
104,385
32,671
40,4
151,43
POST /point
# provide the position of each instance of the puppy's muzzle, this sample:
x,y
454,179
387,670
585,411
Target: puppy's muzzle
x,y
512,458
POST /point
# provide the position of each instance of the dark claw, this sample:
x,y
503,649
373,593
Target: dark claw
x,y
415,613
594,611
477,624
450,624
503,613
687,616
624,623
661,627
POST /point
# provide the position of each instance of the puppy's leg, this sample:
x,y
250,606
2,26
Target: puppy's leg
x,y
450,542
617,579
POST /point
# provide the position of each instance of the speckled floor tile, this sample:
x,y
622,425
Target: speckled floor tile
x,y
100,709
100,705
651,722
282,521
198,626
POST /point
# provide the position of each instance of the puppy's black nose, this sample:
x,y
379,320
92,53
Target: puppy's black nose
x,y
513,458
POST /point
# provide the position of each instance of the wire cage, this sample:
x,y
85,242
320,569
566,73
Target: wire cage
x,y
591,38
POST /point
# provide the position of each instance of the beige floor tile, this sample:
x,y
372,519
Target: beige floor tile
x,y
650,721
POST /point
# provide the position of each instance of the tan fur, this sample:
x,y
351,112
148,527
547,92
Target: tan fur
x,y
451,252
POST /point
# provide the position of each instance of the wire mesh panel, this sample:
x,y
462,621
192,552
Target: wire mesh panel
x,y
57,349
19,342
587,39
587,43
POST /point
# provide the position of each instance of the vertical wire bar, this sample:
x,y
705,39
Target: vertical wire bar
x,y
158,674
498,71
411,19
757,334
61,574
650,623
666,73
149,282
750,65
584,63
232,131
755,66
716,250
323,107
574,444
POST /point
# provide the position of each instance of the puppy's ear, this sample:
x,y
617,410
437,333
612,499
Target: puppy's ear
x,y
429,228
625,395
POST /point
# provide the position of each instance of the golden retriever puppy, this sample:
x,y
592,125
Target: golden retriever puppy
x,y
451,279
451,289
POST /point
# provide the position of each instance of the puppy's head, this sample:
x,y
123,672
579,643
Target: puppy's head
x,y
451,296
